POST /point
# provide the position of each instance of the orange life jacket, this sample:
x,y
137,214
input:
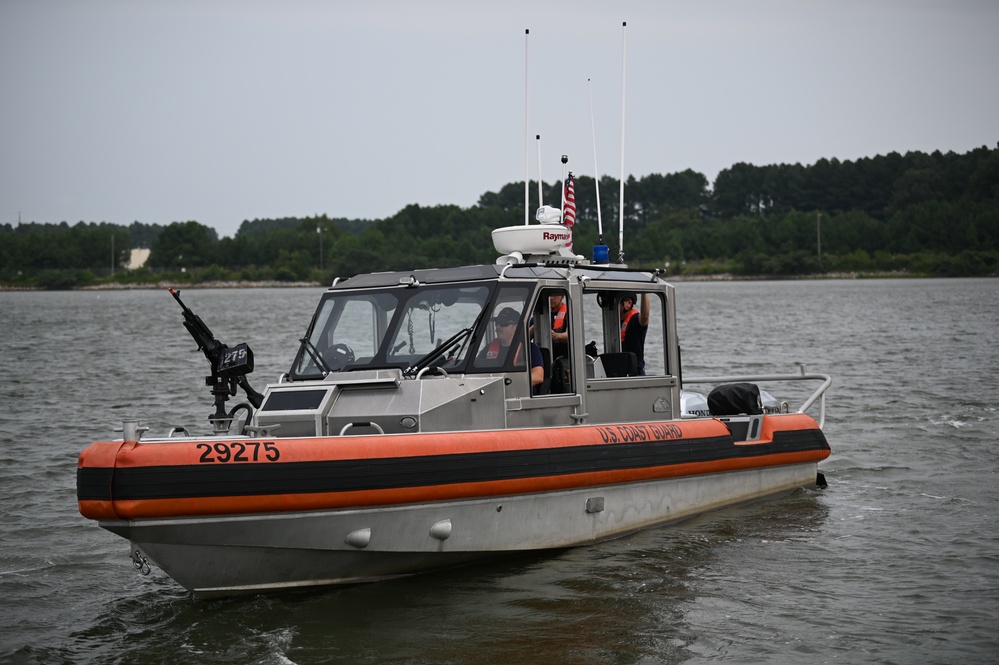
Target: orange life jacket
x,y
494,348
558,318
627,318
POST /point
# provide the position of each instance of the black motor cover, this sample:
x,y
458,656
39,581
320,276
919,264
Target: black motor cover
x,y
733,399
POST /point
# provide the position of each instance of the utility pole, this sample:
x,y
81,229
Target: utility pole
x,y
319,230
818,234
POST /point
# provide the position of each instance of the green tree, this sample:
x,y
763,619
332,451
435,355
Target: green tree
x,y
184,245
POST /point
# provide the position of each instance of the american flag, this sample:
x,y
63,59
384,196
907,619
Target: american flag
x,y
569,206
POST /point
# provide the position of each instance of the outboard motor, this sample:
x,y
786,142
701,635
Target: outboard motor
x,y
733,399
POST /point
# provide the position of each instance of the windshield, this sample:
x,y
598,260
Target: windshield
x,y
395,327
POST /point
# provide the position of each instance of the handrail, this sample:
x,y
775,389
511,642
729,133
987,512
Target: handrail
x,y
375,426
436,370
819,394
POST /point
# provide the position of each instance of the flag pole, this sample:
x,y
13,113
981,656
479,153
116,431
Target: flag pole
x,y
620,251
568,201
565,160
541,184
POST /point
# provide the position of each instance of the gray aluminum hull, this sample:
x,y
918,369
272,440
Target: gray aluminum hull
x,y
230,555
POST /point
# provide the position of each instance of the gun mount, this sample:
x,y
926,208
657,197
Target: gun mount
x,y
230,365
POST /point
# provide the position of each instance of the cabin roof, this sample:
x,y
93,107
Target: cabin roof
x,y
493,271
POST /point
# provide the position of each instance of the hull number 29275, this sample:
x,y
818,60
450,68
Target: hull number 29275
x,y
238,451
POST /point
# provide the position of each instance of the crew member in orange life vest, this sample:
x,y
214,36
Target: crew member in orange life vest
x,y
496,350
634,325
560,326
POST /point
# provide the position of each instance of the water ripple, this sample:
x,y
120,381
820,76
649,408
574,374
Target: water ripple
x,y
896,561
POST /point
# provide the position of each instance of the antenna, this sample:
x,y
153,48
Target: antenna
x,y
527,139
620,251
596,171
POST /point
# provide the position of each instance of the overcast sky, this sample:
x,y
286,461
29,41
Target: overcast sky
x,y
220,111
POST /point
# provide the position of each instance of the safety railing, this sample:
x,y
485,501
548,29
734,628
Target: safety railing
x,y
818,395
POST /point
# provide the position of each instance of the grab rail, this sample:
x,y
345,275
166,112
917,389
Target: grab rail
x,y
375,426
437,370
818,394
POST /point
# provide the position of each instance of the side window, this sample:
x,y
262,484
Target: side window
x,y
655,343
502,343
550,330
625,333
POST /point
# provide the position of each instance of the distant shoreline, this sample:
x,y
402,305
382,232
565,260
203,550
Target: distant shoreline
x,y
263,284
173,285
274,284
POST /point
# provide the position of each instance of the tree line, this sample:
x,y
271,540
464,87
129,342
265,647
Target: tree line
x,y
928,214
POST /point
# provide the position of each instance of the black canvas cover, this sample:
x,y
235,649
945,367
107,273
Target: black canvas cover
x,y
732,399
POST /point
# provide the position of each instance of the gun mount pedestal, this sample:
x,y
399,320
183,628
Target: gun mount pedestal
x,y
222,390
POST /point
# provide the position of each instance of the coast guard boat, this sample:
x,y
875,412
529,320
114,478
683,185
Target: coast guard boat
x,y
405,438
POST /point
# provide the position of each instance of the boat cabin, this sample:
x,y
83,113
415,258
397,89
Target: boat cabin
x,y
454,349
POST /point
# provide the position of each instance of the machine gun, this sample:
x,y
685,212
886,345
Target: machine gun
x,y
230,365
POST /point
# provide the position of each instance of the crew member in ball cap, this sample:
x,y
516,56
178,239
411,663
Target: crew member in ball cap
x,y
634,325
496,351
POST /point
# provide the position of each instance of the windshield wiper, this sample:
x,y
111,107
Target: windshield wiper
x,y
317,357
427,359
463,334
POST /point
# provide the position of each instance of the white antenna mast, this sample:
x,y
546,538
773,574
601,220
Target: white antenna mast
x,y
620,251
527,138
596,171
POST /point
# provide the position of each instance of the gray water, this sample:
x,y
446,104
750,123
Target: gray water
x,y
897,561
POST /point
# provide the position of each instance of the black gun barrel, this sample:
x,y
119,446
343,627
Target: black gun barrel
x,y
200,331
